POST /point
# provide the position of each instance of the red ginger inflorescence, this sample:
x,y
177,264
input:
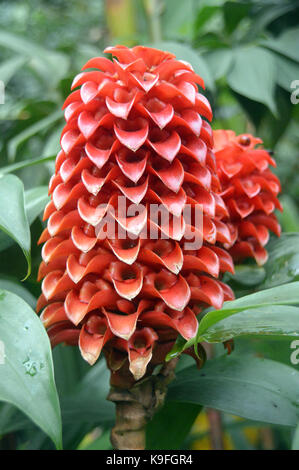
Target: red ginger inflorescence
x,y
249,189
134,129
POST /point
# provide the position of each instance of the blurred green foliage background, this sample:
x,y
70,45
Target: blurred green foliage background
x,y
248,54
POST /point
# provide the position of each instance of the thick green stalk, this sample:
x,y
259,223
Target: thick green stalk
x,y
121,20
154,9
136,405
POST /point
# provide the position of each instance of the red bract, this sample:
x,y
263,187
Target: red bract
x,y
249,189
134,128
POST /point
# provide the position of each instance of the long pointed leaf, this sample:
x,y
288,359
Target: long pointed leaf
x,y
26,368
247,386
13,218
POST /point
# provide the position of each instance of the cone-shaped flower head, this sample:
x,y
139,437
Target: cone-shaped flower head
x,y
134,137
249,189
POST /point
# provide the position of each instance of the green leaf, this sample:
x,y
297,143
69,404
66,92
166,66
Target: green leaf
x,y
219,62
265,13
233,13
52,145
178,419
24,164
35,202
14,286
253,75
286,44
69,370
289,218
295,443
13,219
288,71
247,386
207,11
51,65
274,320
247,275
26,377
177,19
260,313
185,52
39,126
10,67
12,419
69,367
276,348
287,294
283,263
88,402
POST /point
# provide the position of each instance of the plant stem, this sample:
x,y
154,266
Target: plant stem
x,y
121,21
154,9
216,435
214,416
131,418
136,406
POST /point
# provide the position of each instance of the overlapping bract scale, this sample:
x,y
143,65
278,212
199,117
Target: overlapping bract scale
x,y
135,128
249,189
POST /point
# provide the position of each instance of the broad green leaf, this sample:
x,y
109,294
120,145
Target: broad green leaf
x,y
177,19
5,241
289,218
35,201
283,263
12,419
74,433
233,13
274,320
259,305
13,219
207,14
177,419
219,62
52,145
247,386
286,44
295,443
88,402
70,369
179,346
276,348
10,67
247,275
24,164
12,109
49,64
253,75
288,71
39,126
185,52
264,14
288,294
14,286
26,376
